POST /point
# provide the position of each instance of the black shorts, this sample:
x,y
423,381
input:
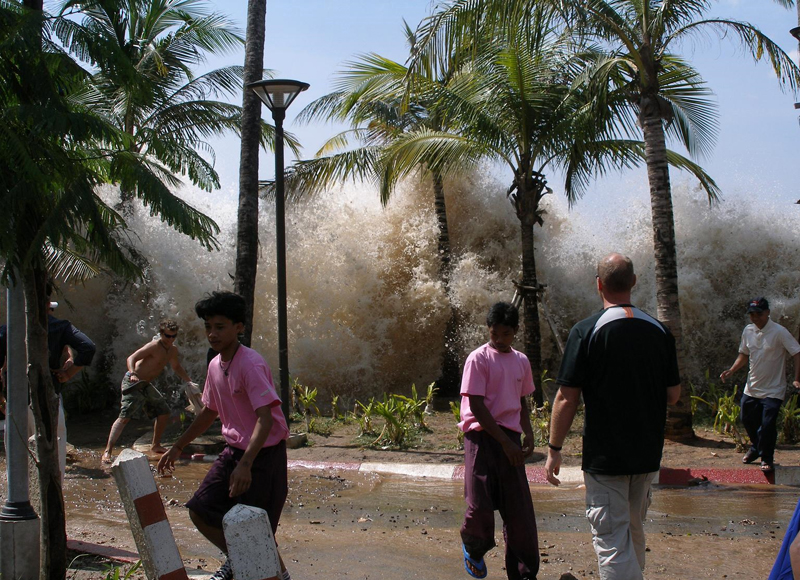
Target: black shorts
x,y
267,491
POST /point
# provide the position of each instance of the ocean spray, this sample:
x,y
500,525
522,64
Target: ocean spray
x,y
367,313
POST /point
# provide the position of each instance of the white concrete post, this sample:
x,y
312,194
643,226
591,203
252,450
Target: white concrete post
x,y
149,524
19,524
251,546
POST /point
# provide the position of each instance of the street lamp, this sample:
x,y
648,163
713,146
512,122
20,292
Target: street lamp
x,y
278,94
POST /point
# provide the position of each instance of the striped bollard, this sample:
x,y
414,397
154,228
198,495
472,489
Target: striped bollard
x,y
251,546
149,524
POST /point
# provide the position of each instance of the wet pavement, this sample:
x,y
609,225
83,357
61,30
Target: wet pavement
x,y
346,524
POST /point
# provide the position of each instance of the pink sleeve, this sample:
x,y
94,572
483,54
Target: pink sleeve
x,y
207,397
475,377
259,387
527,378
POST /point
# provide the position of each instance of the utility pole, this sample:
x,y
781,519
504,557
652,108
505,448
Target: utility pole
x,y
19,524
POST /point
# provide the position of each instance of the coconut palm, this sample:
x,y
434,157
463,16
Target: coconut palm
x,y
144,52
528,109
247,219
57,152
654,91
371,95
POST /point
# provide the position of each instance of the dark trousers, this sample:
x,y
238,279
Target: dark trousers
x,y
492,483
760,418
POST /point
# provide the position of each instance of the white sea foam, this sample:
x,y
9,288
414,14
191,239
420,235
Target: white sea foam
x,y
367,313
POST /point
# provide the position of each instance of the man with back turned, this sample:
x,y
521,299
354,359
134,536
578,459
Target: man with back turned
x,y
625,365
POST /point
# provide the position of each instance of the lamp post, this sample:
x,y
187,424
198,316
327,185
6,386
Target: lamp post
x,y
278,94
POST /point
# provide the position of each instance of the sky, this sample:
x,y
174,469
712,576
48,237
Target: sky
x,y
759,138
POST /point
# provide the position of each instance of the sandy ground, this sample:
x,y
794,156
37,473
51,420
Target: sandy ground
x,y
349,525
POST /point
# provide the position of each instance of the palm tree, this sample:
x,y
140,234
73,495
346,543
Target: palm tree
x,y
247,220
527,108
653,90
371,95
144,52
57,152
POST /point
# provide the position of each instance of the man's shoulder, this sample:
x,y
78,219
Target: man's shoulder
x,y
583,326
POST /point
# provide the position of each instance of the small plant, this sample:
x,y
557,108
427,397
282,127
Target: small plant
x,y
710,397
432,390
455,409
540,421
726,412
114,572
365,417
790,421
395,410
416,406
308,401
335,412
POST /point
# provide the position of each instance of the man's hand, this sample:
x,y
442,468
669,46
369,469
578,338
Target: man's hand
x,y
553,466
240,479
796,385
723,376
67,371
167,462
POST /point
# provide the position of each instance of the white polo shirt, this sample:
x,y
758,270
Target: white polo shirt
x,y
767,348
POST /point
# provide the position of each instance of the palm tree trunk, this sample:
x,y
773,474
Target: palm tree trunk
x,y
533,333
679,422
247,220
44,403
448,384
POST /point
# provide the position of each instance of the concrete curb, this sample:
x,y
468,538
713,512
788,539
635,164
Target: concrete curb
x,y
788,475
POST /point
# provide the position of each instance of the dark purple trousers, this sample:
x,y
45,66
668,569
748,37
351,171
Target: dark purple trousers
x,y
492,483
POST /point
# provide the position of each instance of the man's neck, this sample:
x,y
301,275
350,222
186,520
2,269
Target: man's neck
x,y
615,300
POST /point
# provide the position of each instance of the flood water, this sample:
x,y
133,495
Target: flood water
x,y
355,525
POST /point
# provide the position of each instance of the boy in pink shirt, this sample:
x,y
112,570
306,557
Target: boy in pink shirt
x,y
494,413
252,468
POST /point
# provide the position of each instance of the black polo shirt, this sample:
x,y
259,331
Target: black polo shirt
x,y
623,360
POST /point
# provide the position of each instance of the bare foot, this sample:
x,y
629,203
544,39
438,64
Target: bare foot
x,y
107,459
158,449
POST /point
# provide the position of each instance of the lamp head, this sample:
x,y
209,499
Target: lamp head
x,y
278,94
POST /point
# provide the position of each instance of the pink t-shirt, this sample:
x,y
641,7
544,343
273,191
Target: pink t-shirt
x,y
502,378
235,397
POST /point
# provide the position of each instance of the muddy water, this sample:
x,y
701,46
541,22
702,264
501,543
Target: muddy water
x,y
346,524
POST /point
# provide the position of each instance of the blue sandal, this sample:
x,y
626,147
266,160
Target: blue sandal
x,y
475,568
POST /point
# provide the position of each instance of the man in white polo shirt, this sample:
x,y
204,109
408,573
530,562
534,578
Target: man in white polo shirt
x,y
764,344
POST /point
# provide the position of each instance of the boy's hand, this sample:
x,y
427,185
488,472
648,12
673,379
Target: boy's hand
x,y
527,447
514,453
240,479
167,462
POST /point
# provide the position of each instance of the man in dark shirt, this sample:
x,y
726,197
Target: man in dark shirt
x,y
62,338
624,363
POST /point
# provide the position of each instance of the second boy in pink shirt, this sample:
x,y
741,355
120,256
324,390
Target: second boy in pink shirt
x,y
494,413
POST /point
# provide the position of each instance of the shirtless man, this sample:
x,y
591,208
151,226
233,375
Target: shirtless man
x,y
139,395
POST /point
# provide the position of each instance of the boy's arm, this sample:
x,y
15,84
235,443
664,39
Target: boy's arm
x,y
241,477
525,423
484,417
199,426
177,368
